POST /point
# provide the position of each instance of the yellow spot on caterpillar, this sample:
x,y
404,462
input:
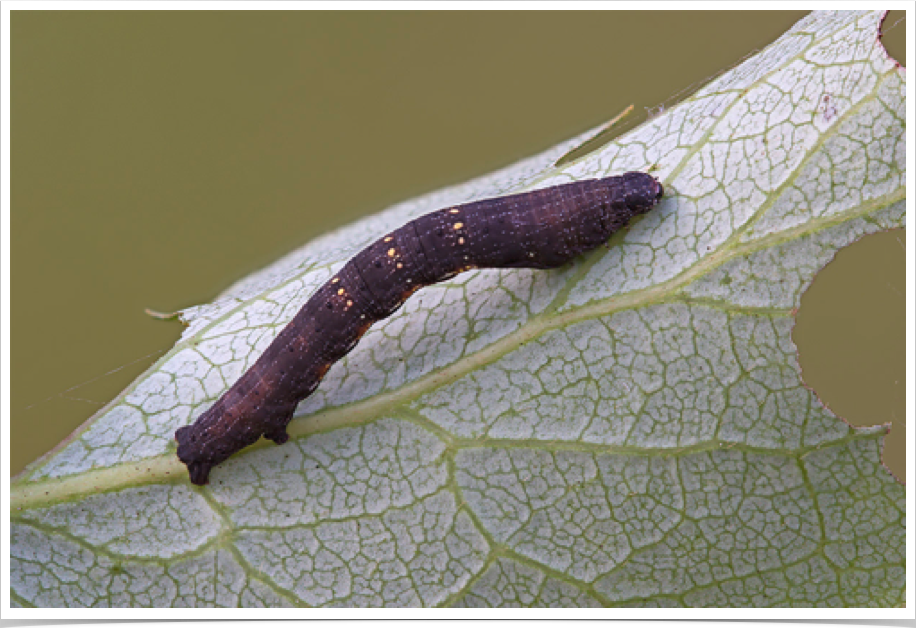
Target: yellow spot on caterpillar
x,y
335,280
400,265
388,238
453,211
391,252
457,225
460,240
349,303
341,291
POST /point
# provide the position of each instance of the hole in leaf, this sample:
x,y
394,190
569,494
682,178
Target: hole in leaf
x,y
851,337
893,36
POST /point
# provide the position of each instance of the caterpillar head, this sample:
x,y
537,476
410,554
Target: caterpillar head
x,y
642,191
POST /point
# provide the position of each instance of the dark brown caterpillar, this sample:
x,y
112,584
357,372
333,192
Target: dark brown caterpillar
x,y
540,229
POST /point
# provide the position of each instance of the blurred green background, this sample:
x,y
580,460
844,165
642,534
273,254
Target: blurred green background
x,y
159,156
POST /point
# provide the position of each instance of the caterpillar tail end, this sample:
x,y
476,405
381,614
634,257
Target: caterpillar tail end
x,y
199,472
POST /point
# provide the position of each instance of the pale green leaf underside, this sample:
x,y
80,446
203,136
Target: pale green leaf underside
x,y
631,430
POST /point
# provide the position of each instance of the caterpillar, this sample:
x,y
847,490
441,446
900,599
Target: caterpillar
x,y
540,229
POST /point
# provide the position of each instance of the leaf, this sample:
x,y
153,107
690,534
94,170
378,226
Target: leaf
x,y
631,430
